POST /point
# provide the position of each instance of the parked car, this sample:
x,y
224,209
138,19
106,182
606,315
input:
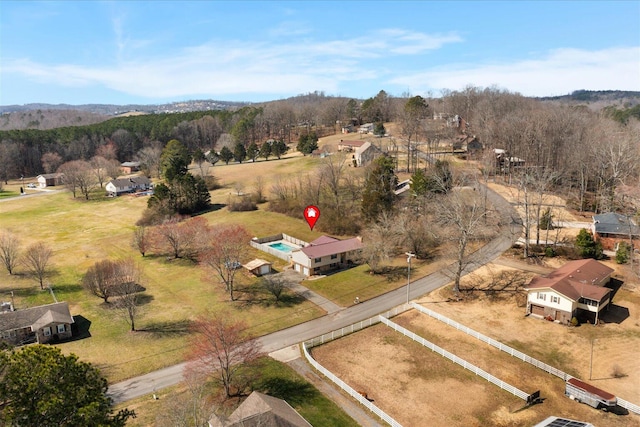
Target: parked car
x,y
31,185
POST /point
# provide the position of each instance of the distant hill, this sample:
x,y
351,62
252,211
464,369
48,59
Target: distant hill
x,y
598,99
49,116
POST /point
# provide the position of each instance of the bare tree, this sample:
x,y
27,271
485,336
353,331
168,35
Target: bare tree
x,y
227,246
190,408
141,239
182,238
221,348
379,241
105,278
51,162
78,176
99,165
149,158
275,284
9,250
128,302
36,259
461,215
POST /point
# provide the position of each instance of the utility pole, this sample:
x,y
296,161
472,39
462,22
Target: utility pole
x,y
409,256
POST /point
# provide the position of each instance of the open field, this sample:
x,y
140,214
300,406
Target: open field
x,y
418,387
84,232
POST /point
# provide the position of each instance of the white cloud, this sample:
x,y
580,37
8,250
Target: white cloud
x,y
556,73
227,67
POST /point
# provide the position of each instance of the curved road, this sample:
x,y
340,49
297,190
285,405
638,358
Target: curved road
x,y
510,231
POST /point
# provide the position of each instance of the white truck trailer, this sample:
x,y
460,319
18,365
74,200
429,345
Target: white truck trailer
x,y
586,393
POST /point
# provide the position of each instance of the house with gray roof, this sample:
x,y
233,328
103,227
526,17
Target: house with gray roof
x,y
325,254
132,184
42,324
261,410
612,228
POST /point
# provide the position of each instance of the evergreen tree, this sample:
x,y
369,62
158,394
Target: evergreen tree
x,y
587,246
307,143
239,152
252,151
226,155
174,160
279,148
419,183
42,387
265,150
380,183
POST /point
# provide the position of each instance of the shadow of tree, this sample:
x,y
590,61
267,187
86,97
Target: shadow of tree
x,y
177,327
257,295
80,328
294,392
67,288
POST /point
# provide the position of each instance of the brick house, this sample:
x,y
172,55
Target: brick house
x,y
42,324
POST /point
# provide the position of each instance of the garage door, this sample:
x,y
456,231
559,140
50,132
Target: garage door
x,y
305,271
537,309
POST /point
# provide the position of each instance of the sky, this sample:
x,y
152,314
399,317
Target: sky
x,y
148,52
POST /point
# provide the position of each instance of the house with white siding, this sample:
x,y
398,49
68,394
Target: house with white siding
x,y
120,186
578,286
325,254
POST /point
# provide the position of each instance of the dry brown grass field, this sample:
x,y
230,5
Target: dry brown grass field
x,y
418,387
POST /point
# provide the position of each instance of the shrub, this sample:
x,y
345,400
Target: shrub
x,y
242,205
574,321
549,252
617,372
622,253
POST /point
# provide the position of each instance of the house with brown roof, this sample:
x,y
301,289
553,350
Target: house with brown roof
x,y
42,324
612,228
576,286
261,410
325,254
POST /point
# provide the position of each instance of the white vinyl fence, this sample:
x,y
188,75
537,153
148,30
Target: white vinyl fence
x,y
344,386
513,352
469,366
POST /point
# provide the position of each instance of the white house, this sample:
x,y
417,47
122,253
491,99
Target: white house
x,y
365,154
366,128
574,287
325,254
119,186
50,179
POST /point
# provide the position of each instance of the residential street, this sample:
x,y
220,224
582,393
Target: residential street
x,y
510,231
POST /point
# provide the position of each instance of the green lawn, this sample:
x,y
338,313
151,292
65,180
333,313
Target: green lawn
x,y
275,379
82,233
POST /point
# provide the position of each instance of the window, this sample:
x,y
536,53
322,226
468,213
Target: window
x,y
555,299
61,329
317,260
334,256
542,296
47,331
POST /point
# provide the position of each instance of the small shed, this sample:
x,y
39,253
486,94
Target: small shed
x,y
259,267
50,179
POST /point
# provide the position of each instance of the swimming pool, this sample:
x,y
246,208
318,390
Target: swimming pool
x,y
282,247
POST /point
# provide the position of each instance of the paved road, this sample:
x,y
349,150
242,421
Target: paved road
x,y
149,383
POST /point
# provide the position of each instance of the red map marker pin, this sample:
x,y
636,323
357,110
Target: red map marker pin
x,y
311,214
